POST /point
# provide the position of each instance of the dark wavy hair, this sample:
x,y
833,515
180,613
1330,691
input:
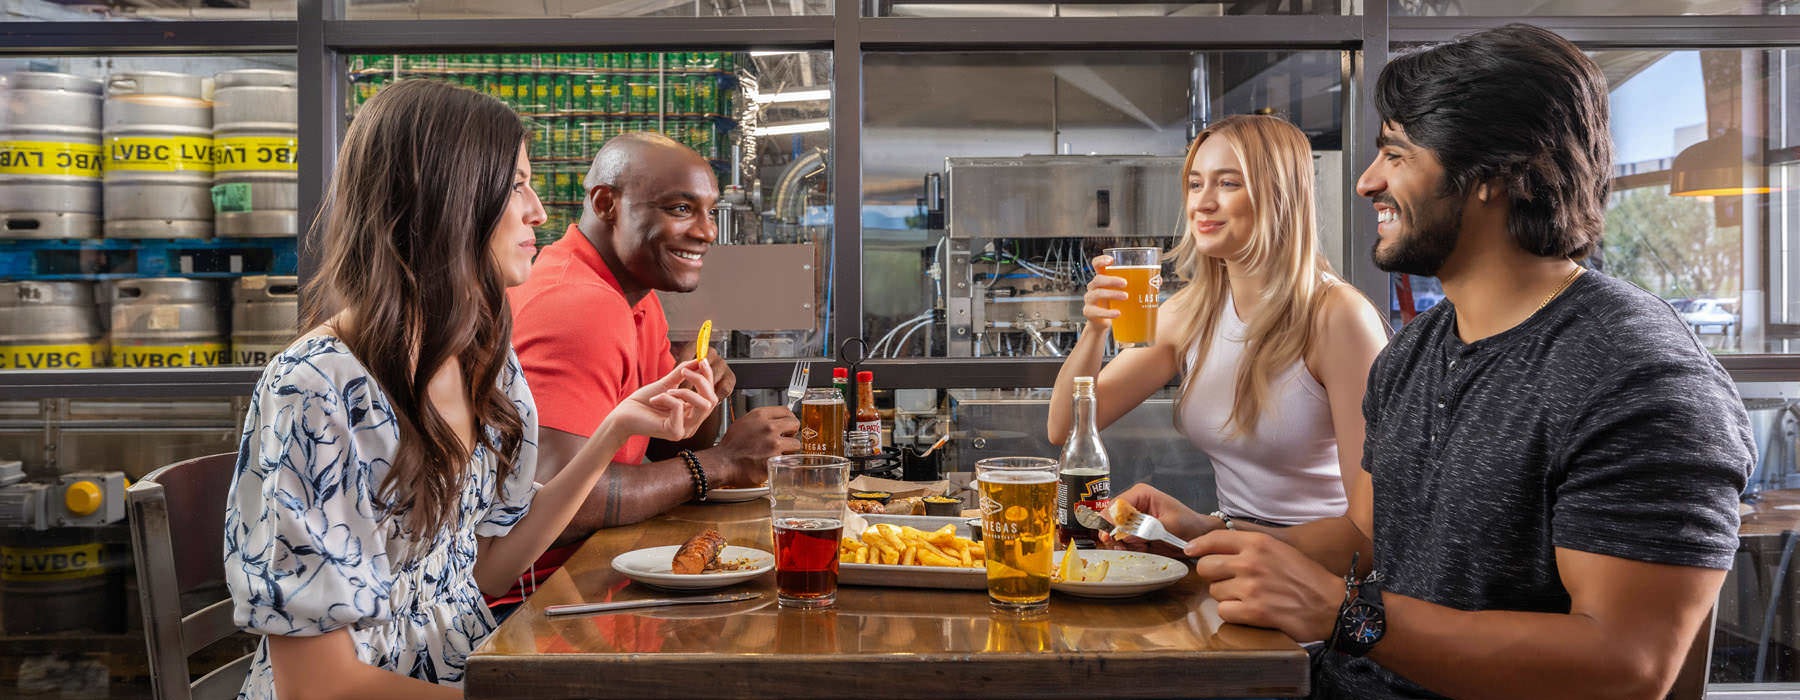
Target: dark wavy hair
x,y
1518,105
422,180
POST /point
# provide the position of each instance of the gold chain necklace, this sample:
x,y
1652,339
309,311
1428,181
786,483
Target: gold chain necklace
x,y
1559,288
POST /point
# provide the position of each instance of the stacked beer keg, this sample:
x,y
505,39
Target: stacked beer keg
x,y
157,159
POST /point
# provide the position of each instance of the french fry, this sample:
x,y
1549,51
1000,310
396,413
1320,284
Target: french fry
x,y
701,342
892,535
885,543
926,545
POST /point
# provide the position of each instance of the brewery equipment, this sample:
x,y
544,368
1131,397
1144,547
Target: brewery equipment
x,y
265,317
50,325
50,160
159,156
256,187
167,322
1021,232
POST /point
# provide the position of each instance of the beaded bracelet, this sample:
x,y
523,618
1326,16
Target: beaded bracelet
x,y
696,473
1229,525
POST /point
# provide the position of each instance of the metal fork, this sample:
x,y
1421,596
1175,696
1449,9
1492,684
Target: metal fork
x,y
1147,528
796,388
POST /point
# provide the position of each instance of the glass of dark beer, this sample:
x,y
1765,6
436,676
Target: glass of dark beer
x,y
807,494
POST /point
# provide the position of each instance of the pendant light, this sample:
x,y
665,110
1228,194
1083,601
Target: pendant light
x,y
1716,167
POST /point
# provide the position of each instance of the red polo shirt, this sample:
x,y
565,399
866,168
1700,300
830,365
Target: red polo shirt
x,y
584,348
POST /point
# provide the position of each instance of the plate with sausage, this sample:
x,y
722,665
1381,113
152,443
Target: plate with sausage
x,y
705,561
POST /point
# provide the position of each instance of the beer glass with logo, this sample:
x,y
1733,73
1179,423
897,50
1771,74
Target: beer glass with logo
x,y
822,422
1142,269
807,494
1018,529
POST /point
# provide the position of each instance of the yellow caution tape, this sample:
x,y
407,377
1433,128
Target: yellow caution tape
x,y
50,158
160,154
256,154
159,356
78,356
51,563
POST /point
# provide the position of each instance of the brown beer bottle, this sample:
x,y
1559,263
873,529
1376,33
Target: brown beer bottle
x,y
868,420
840,380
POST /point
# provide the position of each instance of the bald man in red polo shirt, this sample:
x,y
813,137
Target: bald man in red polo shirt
x,y
589,330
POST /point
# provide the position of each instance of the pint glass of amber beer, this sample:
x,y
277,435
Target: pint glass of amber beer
x,y
806,506
822,422
1142,269
1018,529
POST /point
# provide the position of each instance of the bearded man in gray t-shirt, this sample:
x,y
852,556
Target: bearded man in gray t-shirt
x,y
1556,460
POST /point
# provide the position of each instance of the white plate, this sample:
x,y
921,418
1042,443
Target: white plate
x,y
651,567
1128,574
972,579
735,495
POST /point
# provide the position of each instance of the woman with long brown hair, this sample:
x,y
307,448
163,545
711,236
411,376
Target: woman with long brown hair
x,y
1271,346
384,477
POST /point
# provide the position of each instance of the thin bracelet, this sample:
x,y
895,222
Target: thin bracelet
x,y
1229,525
696,473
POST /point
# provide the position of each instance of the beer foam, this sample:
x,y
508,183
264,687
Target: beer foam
x,y
1003,477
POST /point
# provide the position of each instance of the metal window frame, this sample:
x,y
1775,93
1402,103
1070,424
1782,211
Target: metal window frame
x,y
322,36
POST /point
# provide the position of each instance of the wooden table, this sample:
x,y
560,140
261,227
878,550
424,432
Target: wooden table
x,y
876,642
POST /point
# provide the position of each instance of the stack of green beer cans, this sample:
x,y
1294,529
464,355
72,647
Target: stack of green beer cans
x,y
576,101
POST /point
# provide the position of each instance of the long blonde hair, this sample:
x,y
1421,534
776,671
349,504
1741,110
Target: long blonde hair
x,y
1278,175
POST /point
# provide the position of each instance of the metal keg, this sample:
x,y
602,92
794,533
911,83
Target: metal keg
x,y
265,317
50,159
57,580
256,184
50,325
167,322
159,156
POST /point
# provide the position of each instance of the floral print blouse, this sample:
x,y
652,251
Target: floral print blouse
x,y
308,546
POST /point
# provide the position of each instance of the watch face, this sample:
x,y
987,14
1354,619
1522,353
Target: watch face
x,y
1366,623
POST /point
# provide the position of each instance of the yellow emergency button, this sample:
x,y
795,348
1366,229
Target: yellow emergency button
x,y
82,498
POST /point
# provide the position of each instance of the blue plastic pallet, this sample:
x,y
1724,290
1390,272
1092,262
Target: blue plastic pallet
x,y
120,258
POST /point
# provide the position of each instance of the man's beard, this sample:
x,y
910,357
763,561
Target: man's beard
x,y
1426,240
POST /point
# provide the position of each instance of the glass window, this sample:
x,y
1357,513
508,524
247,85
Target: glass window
x,y
1182,8
143,201
1705,204
119,10
760,118
991,179
492,9
1512,8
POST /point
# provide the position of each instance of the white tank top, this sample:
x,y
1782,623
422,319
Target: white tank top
x,y
1286,472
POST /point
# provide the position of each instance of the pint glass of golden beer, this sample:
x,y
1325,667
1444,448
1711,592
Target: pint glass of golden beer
x,y
1142,269
822,422
1018,529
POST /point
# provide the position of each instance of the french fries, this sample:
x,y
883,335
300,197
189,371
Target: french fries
x,y
1074,569
883,543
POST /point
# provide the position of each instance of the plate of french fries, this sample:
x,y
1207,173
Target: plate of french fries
x,y
1111,573
912,552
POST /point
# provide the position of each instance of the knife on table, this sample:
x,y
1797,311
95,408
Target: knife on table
x,y
613,606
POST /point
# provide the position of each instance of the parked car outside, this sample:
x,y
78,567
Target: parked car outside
x,y
1709,315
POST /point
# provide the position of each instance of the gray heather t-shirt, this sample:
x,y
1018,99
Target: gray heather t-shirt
x,y
1599,425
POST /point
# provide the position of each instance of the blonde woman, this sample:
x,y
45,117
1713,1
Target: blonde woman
x,y
1271,346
